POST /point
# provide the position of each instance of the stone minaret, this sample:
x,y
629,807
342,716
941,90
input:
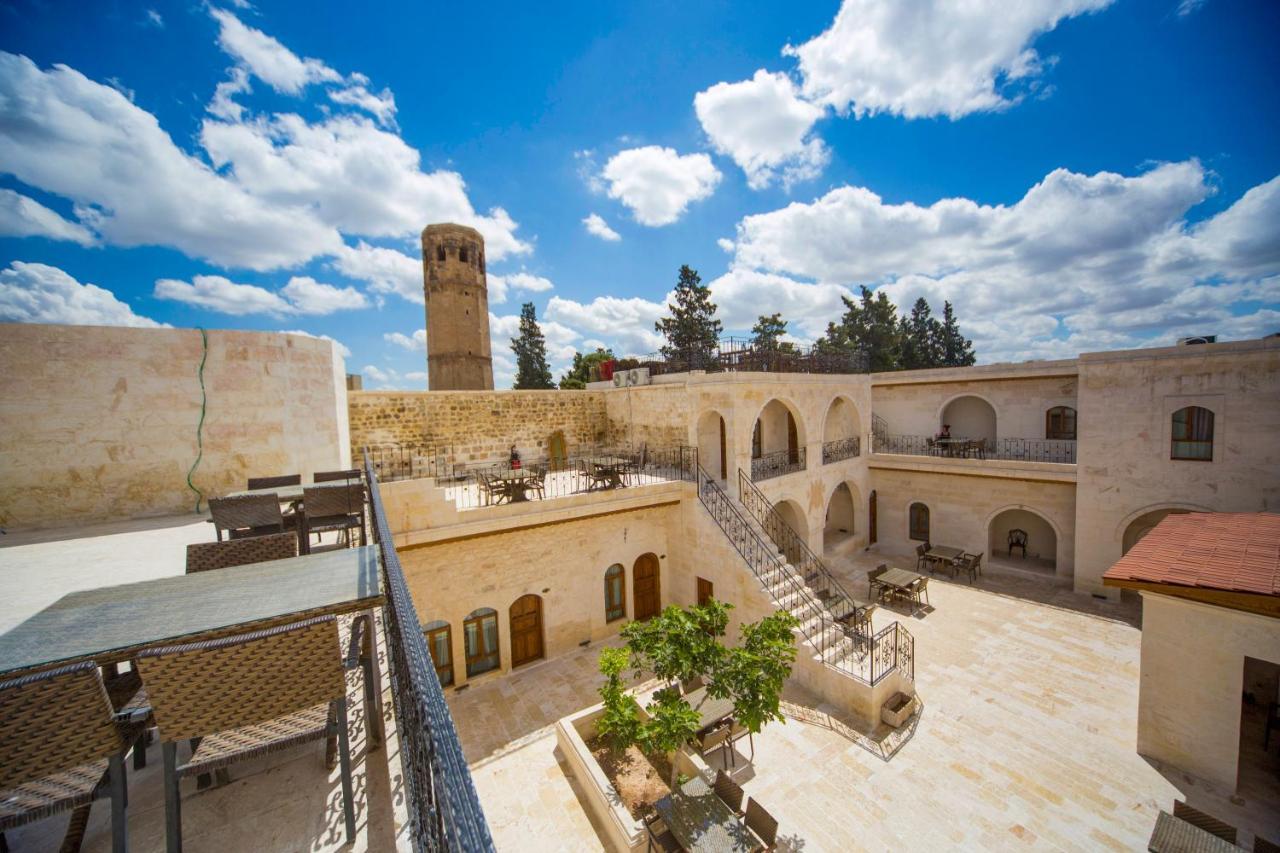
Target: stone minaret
x,y
458,357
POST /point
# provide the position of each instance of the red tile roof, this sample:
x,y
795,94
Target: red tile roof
x,y
1232,551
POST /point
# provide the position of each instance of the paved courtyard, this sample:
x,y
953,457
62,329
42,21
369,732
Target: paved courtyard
x,y
1026,741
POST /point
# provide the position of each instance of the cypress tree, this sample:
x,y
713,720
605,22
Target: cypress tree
x,y
692,331
530,349
956,349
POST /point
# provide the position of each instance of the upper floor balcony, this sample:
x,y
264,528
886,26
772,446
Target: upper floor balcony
x,y
1010,449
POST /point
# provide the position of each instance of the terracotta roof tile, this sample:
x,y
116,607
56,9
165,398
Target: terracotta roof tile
x,y
1233,551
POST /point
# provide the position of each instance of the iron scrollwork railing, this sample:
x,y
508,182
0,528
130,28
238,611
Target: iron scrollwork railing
x,y
1015,449
440,796
892,648
841,448
772,465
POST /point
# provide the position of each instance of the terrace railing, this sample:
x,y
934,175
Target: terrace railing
x,y
411,461
841,448
1017,449
440,797
745,355
771,465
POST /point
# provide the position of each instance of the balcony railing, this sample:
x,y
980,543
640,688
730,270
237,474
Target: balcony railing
x,y
1016,449
772,465
841,448
745,355
440,797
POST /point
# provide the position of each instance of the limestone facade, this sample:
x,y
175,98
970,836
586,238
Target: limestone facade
x,y
100,423
457,299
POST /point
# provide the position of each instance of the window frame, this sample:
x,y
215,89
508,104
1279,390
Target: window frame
x,y
912,529
475,659
1060,433
615,582
1191,428
429,632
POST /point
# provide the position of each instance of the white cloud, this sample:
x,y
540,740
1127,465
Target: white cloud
x,y
38,293
658,184
596,226
267,59
386,270
499,287
415,343
302,295
1189,7
764,125
21,216
381,106
152,18
628,323
930,58
742,296
342,348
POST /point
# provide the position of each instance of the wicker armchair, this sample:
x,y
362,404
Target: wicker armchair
x,y
729,792
327,508
761,824
873,580
660,837
61,748
972,565
274,482
247,515
203,556
247,696
1207,822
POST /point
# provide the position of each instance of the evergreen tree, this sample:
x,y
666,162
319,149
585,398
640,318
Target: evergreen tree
x,y
767,330
922,344
956,349
692,332
869,325
531,353
579,374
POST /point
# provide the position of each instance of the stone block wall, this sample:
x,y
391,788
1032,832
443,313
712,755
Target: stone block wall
x,y
654,414
100,424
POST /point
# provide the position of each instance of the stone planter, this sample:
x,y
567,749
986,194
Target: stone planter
x,y
622,830
895,711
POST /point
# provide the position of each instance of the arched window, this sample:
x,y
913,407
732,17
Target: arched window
x,y
462,253
480,637
1060,423
440,253
615,593
440,642
1192,436
482,263
919,522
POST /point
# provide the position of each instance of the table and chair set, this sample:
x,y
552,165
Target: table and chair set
x,y
963,448
888,584
946,558
242,656
503,484
333,502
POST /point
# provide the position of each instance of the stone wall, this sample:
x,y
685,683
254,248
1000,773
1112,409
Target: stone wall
x,y
100,423
477,426
654,414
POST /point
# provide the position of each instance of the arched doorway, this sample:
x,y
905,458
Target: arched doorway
x,y
793,521
646,587
1143,524
526,630
1018,525
713,452
839,429
841,519
776,441
970,417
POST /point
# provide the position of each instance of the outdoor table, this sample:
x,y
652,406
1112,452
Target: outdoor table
x,y
607,472
701,821
518,481
710,710
899,580
1175,835
112,624
944,552
289,494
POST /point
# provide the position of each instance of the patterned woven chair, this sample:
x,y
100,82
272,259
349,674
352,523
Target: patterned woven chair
x,y
331,476
661,838
330,508
273,482
761,824
203,556
972,565
246,515
247,696
1207,822
61,748
873,581
729,792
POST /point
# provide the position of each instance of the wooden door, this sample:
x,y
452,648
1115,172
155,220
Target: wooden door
x,y
724,454
526,630
793,440
647,591
705,591
871,521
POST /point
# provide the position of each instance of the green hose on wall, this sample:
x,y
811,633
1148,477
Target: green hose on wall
x,y
204,398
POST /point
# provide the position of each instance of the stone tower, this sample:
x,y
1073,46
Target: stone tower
x,y
458,357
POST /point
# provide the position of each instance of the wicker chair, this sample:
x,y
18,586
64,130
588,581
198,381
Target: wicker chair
x,y
331,476
203,556
273,482
327,508
873,580
246,515
923,562
717,738
61,748
729,792
1207,822
972,565
762,824
246,696
660,837
538,482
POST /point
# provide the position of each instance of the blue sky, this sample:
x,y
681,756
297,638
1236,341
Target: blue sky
x,y
1074,175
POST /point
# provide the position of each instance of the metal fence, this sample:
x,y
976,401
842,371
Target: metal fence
x,y
440,797
744,355
772,465
411,461
1019,449
841,448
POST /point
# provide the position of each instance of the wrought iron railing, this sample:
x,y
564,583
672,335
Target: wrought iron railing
x,y
440,796
892,648
745,355
412,461
772,465
841,448
1018,449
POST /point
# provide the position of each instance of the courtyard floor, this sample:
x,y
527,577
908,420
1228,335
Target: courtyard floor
x,y
1026,741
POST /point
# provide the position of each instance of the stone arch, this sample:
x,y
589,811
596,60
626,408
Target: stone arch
x,y
793,515
1044,538
778,426
841,518
713,451
970,416
1124,524
842,420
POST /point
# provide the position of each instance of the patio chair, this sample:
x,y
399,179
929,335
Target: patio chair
x,y
1018,539
245,697
972,565
332,476
923,562
729,792
329,508
736,732
660,837
717,738
921,588
273,482
761,824
538,482
203,556
242,516
873,581
1207,822
61,748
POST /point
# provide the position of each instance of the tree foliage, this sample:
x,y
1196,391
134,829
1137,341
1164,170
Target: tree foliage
x,y
691,330
620,724
530,348
768,330
871,324
579,373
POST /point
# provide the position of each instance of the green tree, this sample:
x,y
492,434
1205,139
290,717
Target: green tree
x,y
579,373
530,348
869,325
768,330
620,723
921,338
678,644
755,672
692,331
957,350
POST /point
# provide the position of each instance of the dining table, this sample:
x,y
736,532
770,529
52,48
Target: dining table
x,y
516,483
711,711
609,472
112,624
899,581
702,822
290,494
